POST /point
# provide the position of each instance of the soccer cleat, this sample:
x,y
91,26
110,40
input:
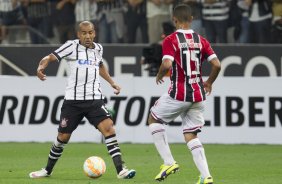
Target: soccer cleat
x,y
126,174
39,174
207,180
166,170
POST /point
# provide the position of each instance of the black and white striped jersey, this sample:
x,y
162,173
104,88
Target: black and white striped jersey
x,y
217,11
83,80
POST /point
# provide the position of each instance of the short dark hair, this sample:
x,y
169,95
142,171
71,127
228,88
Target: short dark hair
x,y
182,12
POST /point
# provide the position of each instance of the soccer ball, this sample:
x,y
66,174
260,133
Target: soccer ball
x,y
94,167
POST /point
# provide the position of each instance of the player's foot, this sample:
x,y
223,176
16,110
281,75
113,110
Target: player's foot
x,y
39,174
207,180
166,170
126,174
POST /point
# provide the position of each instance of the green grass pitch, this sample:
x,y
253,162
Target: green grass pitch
x,y
229,164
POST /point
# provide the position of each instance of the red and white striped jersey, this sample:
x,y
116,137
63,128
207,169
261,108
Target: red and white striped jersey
x,y
187,50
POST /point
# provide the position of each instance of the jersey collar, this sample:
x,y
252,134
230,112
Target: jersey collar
x,y
78,41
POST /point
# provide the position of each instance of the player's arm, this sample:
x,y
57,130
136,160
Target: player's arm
x,y
168,52
164,69
215,69
105,75
43,65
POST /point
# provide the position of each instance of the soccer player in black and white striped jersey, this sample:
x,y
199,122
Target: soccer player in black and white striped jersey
x,y
83,97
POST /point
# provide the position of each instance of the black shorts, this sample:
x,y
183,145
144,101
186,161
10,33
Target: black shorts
x,y
73,111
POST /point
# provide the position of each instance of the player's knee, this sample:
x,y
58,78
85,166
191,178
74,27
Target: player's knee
x,y
151,119
108,130
189,136
106,127
64,137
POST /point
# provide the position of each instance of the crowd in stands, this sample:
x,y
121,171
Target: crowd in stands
x,y
139,21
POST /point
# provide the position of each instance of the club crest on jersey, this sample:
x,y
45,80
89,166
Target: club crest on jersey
x,y
86,62
64,122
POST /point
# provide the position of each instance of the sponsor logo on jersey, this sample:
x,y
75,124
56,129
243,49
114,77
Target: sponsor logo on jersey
x,y
86,62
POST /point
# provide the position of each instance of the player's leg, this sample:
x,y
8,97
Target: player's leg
x,y
100,118
56,151
161,143
165,110
69,121
107,129
193,120
198,153
160,140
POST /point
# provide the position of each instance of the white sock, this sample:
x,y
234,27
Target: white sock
x,y
161,143
199,157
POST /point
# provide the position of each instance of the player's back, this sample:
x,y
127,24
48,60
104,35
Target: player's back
x,y
188,50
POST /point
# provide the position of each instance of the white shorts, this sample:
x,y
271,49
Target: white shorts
x,y
166,109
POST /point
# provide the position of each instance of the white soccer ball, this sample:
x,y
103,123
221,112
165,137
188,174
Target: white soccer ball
x,y
94,167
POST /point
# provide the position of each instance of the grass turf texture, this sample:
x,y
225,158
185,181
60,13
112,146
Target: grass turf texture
x,y
229,164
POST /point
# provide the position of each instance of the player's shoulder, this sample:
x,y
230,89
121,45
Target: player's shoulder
x,y
98,46
69,43
171,37
76,41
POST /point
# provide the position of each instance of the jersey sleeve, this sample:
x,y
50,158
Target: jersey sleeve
x,y
65,50
207,50
100,51
168,49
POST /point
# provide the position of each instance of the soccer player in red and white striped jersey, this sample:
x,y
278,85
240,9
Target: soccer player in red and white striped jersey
x,y
184,51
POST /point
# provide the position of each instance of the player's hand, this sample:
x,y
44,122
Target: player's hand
x,y
40,74
208,88
116,89
159,80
